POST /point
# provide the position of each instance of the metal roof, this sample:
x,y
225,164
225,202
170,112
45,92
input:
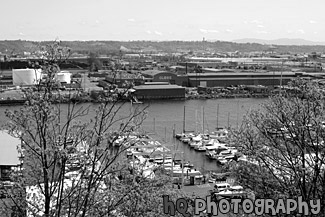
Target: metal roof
x,y
239,74
162,86
239,78
153,72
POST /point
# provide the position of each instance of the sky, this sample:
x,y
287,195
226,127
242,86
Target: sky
x,y
190,20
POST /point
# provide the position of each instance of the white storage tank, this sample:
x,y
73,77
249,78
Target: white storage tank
x,y
64,77
26,76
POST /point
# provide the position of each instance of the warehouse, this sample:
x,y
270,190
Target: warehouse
x,y
159,76
159,91
242,78
164,76
121,78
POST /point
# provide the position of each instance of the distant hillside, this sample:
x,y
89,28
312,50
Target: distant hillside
x,y
280,41
17,46
106,47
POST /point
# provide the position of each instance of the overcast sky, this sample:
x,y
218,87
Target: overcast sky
x,y
162,19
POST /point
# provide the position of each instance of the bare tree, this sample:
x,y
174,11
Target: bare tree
x,y
74,161
68,156
284,143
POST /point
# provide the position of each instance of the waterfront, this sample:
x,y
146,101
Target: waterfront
x,y
163,116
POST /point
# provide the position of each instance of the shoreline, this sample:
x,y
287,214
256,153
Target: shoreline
x,y
13,102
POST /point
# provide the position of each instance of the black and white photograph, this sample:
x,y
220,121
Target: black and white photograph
x,y
147,108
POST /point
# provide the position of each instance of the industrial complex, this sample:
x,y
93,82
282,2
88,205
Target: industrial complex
x,y
171,76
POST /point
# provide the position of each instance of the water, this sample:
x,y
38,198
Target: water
x,y
164,116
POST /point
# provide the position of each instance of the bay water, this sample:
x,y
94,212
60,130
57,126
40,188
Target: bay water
x,y
167,116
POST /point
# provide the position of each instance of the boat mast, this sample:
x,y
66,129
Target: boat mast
x,y
184,120
203,120
218,116
237,112
195,121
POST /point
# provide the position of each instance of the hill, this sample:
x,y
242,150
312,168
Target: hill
x,y
280,41
107,47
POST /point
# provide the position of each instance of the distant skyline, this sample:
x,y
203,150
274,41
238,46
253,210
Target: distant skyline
x,y
190,20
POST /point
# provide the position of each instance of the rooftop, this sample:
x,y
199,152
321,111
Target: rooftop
x,y
237,78
152,72
244,74
219,70
158,86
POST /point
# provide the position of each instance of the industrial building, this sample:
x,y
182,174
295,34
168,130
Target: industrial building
x,y
165,76
190,66
120,78
159,91
225,79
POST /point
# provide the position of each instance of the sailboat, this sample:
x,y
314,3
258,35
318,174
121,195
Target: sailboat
x,y
185,135
221,133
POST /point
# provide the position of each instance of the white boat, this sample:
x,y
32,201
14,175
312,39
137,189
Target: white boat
x,y
162,159
218,177
244,158
229,151
200,148
195,144
186,137
169,166
188,165
192,144
178,135
231,192
186,140
211,155
186,172
197,138
215,145
220,133
222,161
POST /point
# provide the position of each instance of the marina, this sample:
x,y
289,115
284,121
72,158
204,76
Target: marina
x,y
191,151
167,117
205,124
151,156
